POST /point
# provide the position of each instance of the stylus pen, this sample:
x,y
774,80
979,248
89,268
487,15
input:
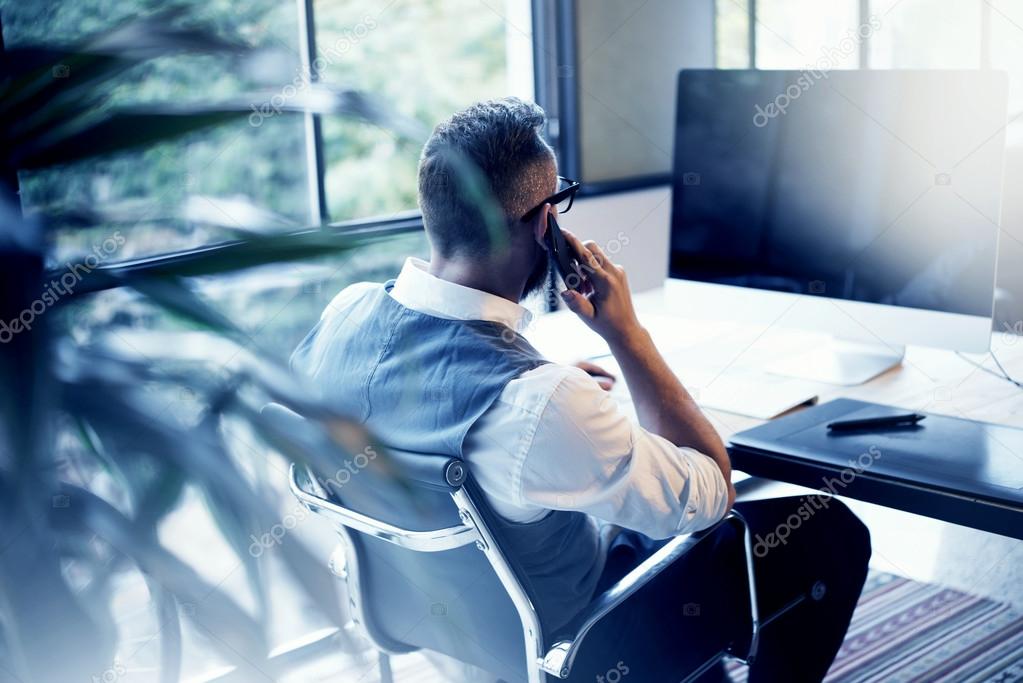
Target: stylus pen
x,y
875,422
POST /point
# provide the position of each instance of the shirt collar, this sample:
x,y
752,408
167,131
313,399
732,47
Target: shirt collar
x,y
417,289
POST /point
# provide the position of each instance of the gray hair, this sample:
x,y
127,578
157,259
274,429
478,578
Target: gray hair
x,y
483,166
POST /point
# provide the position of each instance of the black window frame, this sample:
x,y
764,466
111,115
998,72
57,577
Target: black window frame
x,y
555,62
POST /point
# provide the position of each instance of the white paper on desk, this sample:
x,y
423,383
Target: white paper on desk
x,y
673,334
752,393
563,338
741,391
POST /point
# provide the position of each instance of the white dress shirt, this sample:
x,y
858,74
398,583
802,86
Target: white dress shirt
x,y
554,440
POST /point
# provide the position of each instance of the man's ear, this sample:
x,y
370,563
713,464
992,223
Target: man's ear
x,y
540,225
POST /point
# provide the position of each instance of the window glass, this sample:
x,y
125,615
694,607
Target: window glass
x,y
924,34
275,306
795,34
732,34
183,193
192,190
424,59
1007,53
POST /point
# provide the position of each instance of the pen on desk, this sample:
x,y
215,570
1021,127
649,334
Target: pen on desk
x,y
905,420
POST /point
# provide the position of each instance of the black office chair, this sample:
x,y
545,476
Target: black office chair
x,y
479,610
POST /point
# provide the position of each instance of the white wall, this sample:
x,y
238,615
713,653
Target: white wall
x,y
632,225
629,56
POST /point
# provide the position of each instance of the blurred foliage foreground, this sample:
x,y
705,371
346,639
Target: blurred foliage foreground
x,y
92,461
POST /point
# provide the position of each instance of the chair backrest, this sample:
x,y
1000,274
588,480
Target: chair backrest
x,y
451,600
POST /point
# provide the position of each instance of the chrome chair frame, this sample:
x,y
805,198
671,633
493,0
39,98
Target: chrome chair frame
x,y
558,659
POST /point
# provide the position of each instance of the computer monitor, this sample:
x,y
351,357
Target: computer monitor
x,y
877,191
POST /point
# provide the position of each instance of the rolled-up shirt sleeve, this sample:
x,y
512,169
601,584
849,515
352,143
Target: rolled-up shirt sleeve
x,y
587,455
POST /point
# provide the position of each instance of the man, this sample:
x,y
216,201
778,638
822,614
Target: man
x,y
433,363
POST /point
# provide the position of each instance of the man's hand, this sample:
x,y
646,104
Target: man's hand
x,y
662,404
608,310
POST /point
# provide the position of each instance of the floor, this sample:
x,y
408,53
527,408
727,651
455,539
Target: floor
x,y
904,544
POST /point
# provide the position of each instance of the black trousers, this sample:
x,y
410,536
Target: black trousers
x,y
810,546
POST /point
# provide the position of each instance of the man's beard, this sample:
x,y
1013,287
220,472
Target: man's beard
x,y
540,276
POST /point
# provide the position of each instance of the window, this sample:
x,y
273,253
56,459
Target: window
x,y
888,34
894,34
275,306
915,35
1005,21
792,34
191,190
423,59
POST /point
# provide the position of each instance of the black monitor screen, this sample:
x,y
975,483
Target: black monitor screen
x,y
877,186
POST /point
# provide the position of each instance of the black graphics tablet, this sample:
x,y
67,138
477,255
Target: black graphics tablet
x,y
944,467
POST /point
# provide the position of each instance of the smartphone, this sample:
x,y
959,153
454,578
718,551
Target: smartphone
x,y
565,258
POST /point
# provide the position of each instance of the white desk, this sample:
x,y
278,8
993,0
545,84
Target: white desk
x,y
929,379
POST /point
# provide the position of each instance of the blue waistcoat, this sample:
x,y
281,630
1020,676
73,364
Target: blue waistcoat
x,y
419,383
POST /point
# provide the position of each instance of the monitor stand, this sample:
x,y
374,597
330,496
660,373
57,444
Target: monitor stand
x,y
842,362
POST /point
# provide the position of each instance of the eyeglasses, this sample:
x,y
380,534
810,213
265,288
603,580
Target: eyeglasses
x,y
562,199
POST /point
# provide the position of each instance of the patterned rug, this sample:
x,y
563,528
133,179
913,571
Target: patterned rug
x,y
909,632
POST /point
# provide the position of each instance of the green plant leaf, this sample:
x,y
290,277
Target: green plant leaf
x,y
79,214
237,635
125,129
40,613
160,34
133,422
153,491
39,74
176,297
169,624
130,421
229,257
82,137
238,214
47,88
238,525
